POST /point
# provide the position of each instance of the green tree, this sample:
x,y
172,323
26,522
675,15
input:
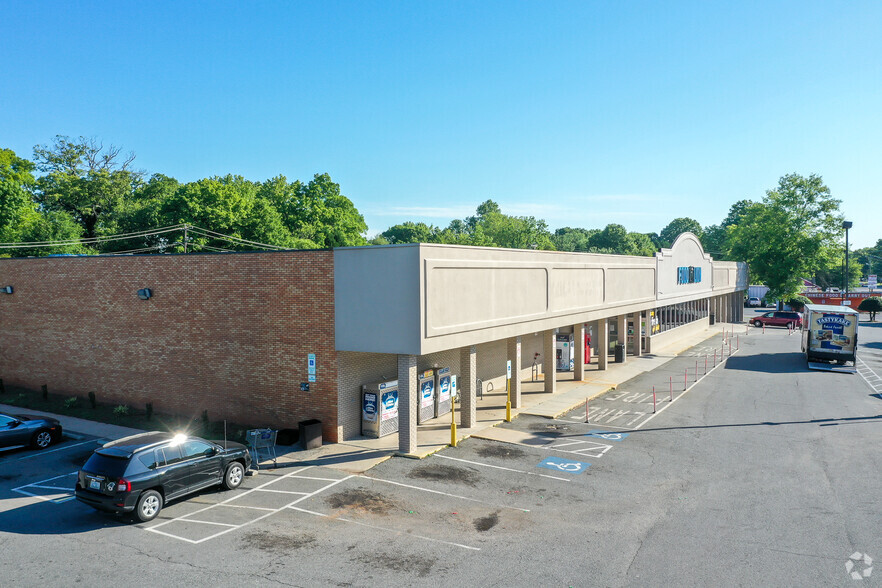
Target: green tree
x,y
677,226
21,220
318,212
410,232
791,234
572,239
228,205
870,259
84,180
873,304
715,238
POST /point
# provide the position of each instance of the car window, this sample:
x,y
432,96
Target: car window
x,y
193,449
149,459
168,455
769,314
106,465
5,420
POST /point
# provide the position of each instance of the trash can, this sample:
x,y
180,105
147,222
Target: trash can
x,y
620,353
310,434
712,318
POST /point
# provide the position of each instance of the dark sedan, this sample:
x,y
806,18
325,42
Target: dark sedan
x,y
21,430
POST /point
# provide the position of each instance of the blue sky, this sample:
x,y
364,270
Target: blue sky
x,y
579,113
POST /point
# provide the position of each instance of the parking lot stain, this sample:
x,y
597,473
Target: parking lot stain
x,y
486,523
265,541
361,499
501,451
7,477
410,565
445,473
546,430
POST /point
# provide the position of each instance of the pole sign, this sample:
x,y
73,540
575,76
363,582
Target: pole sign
x,y
871,281
508,369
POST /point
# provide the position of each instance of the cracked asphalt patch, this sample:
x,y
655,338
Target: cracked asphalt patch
x,y
360,499
446,473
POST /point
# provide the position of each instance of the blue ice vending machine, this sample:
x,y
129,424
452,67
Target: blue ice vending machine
x,y
379,409
443,391
426,387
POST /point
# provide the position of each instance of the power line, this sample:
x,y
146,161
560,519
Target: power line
x,y
89,240
146,233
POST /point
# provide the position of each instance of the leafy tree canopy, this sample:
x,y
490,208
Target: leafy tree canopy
x,y
684,224
792,233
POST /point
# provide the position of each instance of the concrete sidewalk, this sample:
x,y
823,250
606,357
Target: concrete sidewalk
x,y
75,428
359,455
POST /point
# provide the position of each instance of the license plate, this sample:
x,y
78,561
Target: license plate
x,y
94,485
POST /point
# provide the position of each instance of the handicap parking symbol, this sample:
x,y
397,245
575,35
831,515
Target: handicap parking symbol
x,y
607,435
563,465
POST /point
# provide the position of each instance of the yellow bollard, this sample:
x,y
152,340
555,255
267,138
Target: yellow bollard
x,y
452,423
508,400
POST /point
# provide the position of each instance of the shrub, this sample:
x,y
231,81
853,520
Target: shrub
x,y
121,410
92,401
873,304
798,303
71,402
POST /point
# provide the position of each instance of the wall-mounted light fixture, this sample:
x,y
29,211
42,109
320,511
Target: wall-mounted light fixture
x,y
6,289
145,293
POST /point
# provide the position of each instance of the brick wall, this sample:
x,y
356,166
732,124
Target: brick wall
x,y
226,333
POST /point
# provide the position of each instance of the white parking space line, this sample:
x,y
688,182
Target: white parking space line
x,y
396,532
589,449
870,377
487,465
65,448
280,491
68,491
442,493
186,518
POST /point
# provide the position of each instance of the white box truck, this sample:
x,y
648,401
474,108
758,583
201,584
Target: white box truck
x,y
829,337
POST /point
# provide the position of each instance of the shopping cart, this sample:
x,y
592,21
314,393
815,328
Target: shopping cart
x,y
261,441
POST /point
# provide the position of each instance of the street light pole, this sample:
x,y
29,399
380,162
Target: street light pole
x,y
846,225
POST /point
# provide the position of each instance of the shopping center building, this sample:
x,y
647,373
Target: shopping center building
x,y
363,339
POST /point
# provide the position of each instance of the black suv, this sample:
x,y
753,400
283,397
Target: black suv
x,y
142,472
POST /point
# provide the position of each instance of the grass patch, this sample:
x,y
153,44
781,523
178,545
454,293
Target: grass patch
x,y
120,414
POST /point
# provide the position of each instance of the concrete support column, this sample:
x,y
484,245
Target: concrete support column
x,y
594,330
578,352
638,338
468,366
408,402
622,328
514,356
549,369
602,334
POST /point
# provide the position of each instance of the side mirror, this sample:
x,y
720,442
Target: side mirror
x,y
210,451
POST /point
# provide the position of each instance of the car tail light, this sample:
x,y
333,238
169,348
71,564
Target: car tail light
x,y
123,485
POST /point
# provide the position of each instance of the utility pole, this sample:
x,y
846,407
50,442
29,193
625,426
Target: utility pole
x,y
185,237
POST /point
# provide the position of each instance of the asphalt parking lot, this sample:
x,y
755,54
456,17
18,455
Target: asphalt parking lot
x,y
757,472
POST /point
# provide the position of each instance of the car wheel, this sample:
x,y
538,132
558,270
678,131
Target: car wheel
x,y
149,505
42,439
757,323
233,475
